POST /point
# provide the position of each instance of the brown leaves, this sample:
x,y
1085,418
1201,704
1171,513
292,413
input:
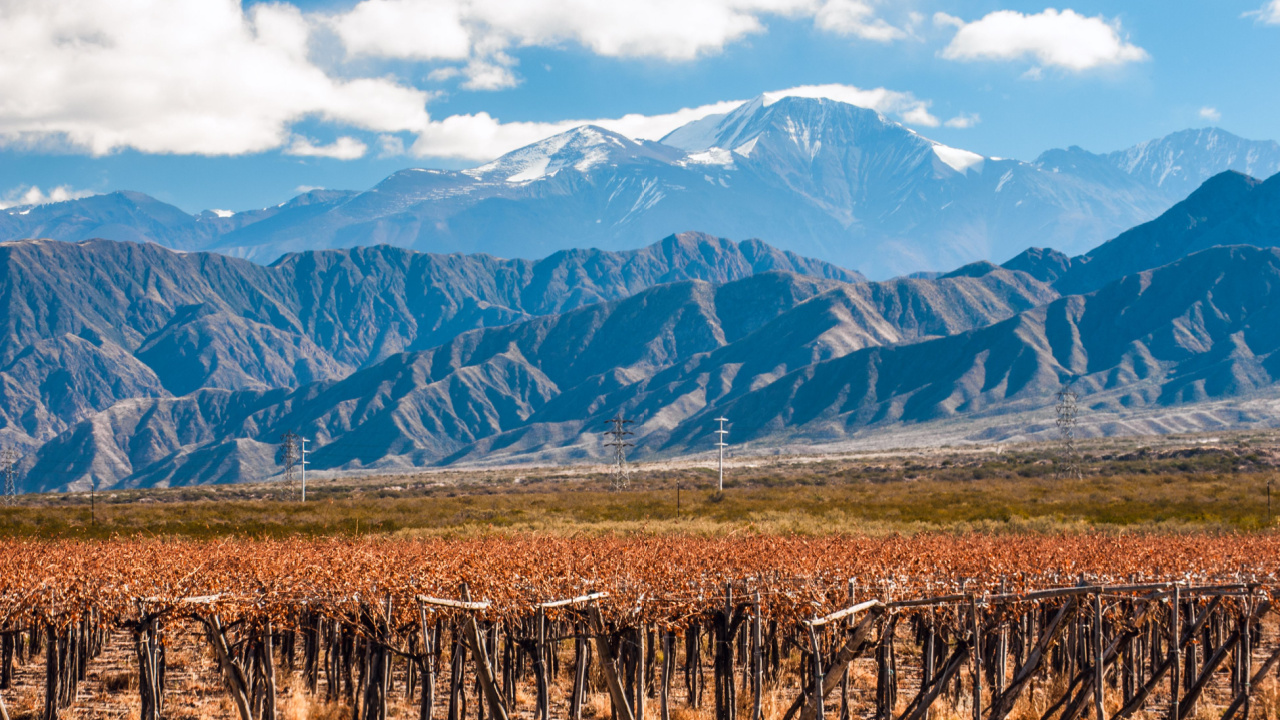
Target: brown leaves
x,y
658,578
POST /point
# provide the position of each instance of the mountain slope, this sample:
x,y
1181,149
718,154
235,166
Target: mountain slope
x,y
165,323
1228,209
1207,326
817,177
544,380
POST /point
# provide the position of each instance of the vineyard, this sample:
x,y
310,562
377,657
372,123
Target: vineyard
x,y
730,628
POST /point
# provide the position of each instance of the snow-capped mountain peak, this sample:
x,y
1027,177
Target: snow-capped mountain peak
x,y
582,148
1180,162
962,161
799,126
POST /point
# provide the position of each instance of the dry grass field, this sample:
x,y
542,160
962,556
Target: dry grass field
x,y
1172,484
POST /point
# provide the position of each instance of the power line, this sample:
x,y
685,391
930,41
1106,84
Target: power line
x,y
721,444
618,434
304,463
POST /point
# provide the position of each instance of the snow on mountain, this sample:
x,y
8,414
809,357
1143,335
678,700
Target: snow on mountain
x,y
816,176
1180,162
962,161
582,148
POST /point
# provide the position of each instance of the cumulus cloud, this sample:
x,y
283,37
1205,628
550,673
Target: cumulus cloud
x,y
963,121
1051,38
176,76
482,33
32,195
1210,113
378,28
344,148
483,137
215,77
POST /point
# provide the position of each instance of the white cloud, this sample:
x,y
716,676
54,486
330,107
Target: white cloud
x,y
906,106
963,121
483,137
344,148
378,28
857,18
1063,39
1268,14
390,146
942,19
482,33
215,77
176,76
1210,113
32,195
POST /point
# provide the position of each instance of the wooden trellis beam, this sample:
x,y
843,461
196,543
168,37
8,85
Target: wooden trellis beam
x,y
580,600
842,614
456,604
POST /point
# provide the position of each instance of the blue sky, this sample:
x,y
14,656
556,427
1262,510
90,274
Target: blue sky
x,y
217,104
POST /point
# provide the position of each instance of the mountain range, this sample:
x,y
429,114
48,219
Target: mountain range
x,y
129,364
816,177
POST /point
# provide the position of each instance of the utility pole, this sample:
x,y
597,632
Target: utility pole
x,y
720,443
1068,408
289,456
618,434
9,463
303,441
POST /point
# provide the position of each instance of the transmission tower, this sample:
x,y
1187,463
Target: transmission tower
x,y
289,456
618,434
721,444
9,467
1068,408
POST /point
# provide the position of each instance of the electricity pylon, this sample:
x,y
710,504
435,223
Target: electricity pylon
x,y
289,457
9,467
618,434
1068,409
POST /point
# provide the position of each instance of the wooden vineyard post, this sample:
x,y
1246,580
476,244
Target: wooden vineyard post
x,y
1099,713
668,664
818,683
581,647
540,665
976,630
928,655
642,635
1175,642
757,662
1002,649
844,677
428,664
1246,656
